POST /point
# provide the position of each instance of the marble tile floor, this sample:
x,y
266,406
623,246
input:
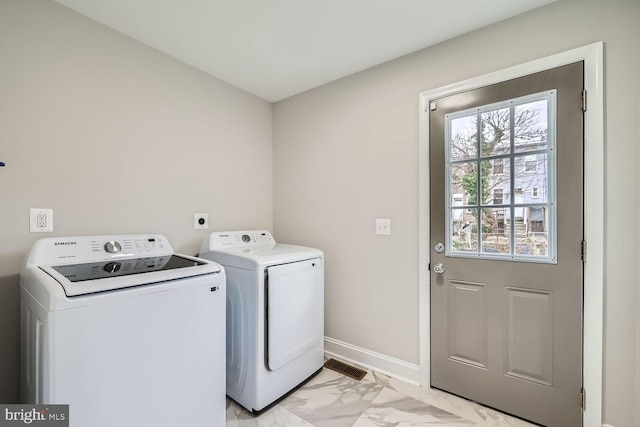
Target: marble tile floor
x,y
331,399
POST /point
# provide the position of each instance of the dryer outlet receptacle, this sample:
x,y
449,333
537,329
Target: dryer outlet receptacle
x,y
200,221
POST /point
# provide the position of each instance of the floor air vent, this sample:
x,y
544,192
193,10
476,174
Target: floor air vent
x,y
345,369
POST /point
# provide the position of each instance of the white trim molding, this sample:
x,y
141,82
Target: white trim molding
x,y
592,55
405,371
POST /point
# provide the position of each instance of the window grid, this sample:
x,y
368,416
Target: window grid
x,y
493,159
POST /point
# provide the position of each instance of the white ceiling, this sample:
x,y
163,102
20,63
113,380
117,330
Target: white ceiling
x,y
278,48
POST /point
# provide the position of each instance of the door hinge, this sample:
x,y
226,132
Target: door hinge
x,y
583,251
584,100
583,399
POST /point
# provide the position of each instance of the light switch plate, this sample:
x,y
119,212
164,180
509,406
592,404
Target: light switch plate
x,y
383,226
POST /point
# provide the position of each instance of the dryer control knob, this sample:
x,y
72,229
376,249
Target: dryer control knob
x,y
112,247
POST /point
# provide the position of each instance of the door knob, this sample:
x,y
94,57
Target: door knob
x,y
439,268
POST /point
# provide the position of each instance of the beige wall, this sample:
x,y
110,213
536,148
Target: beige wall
x,y
346,153
115,137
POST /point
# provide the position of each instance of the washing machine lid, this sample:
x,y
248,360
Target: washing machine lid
x,y
102,270
89,264
108,275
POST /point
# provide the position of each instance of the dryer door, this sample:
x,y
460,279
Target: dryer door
x,y
295,311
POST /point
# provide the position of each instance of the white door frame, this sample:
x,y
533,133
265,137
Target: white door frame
x,y
593,319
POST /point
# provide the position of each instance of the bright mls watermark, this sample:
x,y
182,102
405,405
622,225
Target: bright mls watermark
x,y
36,415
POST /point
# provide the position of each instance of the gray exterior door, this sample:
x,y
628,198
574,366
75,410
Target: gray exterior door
x,y
506,209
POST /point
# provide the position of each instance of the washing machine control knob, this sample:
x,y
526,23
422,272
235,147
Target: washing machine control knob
x,y
112,247
246,238
112,267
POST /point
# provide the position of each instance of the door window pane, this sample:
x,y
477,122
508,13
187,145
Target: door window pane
x,y
531,126
463,135
465,236
464,180
496,132
532,237
493,182
495,231
532,177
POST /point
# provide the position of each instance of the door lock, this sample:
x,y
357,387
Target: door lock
x,y
439,248
439,268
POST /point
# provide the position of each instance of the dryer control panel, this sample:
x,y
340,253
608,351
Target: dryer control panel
x,y
240,239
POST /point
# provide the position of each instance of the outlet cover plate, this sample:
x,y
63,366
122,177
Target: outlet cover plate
x,y
40,220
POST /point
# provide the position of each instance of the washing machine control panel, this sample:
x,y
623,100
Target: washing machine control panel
x,y
142,245
68,249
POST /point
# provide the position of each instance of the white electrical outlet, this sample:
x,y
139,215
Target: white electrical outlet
x,y
383,226
200,221
40,220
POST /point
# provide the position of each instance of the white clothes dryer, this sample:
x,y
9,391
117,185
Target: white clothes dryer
x,y
275,314
124,331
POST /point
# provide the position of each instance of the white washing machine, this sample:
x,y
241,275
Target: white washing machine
x,y
275,314
124,331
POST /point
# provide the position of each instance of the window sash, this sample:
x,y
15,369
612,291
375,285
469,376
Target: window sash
x,y
502,197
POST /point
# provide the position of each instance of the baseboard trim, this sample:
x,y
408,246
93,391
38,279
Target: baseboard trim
x,y
378,362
